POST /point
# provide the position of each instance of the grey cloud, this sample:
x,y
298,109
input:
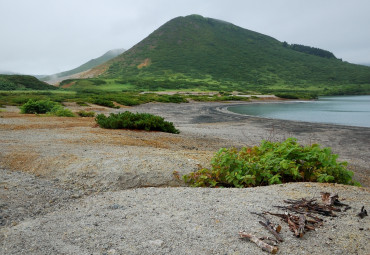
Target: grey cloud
x,y
44,37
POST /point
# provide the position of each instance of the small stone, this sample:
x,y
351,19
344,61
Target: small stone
x,y
114,207
157,243
338,252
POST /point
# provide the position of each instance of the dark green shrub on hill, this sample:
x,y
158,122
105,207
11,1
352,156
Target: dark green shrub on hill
x,y
272,163
7,85
310,50
287,96
297,95
141,121
16,82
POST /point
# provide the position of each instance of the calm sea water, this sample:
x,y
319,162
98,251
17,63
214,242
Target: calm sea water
x,y
343,110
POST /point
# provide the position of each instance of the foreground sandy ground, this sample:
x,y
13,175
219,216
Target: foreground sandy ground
x,y
60,176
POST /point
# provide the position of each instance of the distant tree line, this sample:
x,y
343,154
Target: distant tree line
x,y
310,50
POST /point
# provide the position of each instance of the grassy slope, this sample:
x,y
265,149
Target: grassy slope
x,y
88,65
22,82
194,51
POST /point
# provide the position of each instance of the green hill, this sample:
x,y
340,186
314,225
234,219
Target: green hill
x,y
205,53
23,82
86,66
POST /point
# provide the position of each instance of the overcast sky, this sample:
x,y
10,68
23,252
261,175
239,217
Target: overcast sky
x,y
50,36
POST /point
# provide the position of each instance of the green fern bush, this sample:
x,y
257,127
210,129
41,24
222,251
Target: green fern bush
x,y
128,120
271,163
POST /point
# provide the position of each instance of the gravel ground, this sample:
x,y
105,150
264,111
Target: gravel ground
x,y
186,221
24,196
69,187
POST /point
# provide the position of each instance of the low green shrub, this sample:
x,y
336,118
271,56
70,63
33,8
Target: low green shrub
x,y
297,95
128,120
46,106
86,114
271,163
82,103
171,99
287,96
104,102
128,101
60,111
37,106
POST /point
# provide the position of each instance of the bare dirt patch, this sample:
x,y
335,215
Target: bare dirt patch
x,y
68,85
145,63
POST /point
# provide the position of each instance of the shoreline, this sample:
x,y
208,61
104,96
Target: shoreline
x,y
73,188
227,111
214,120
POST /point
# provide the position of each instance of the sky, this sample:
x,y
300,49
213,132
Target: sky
x,y
51,36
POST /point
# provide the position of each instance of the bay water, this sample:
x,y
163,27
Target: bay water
x,y
342,110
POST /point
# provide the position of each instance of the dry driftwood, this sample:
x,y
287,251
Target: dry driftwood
x,y
275,230
292,226
272,230
299,225
309,206
306,219
306,208
269,240
329,199
263,245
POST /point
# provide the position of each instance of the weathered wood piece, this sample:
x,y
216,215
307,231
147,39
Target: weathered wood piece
x,y
269,240
301,225
332,200
270,227
263,245
309,206
328,199
275,230
363,213
292,225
